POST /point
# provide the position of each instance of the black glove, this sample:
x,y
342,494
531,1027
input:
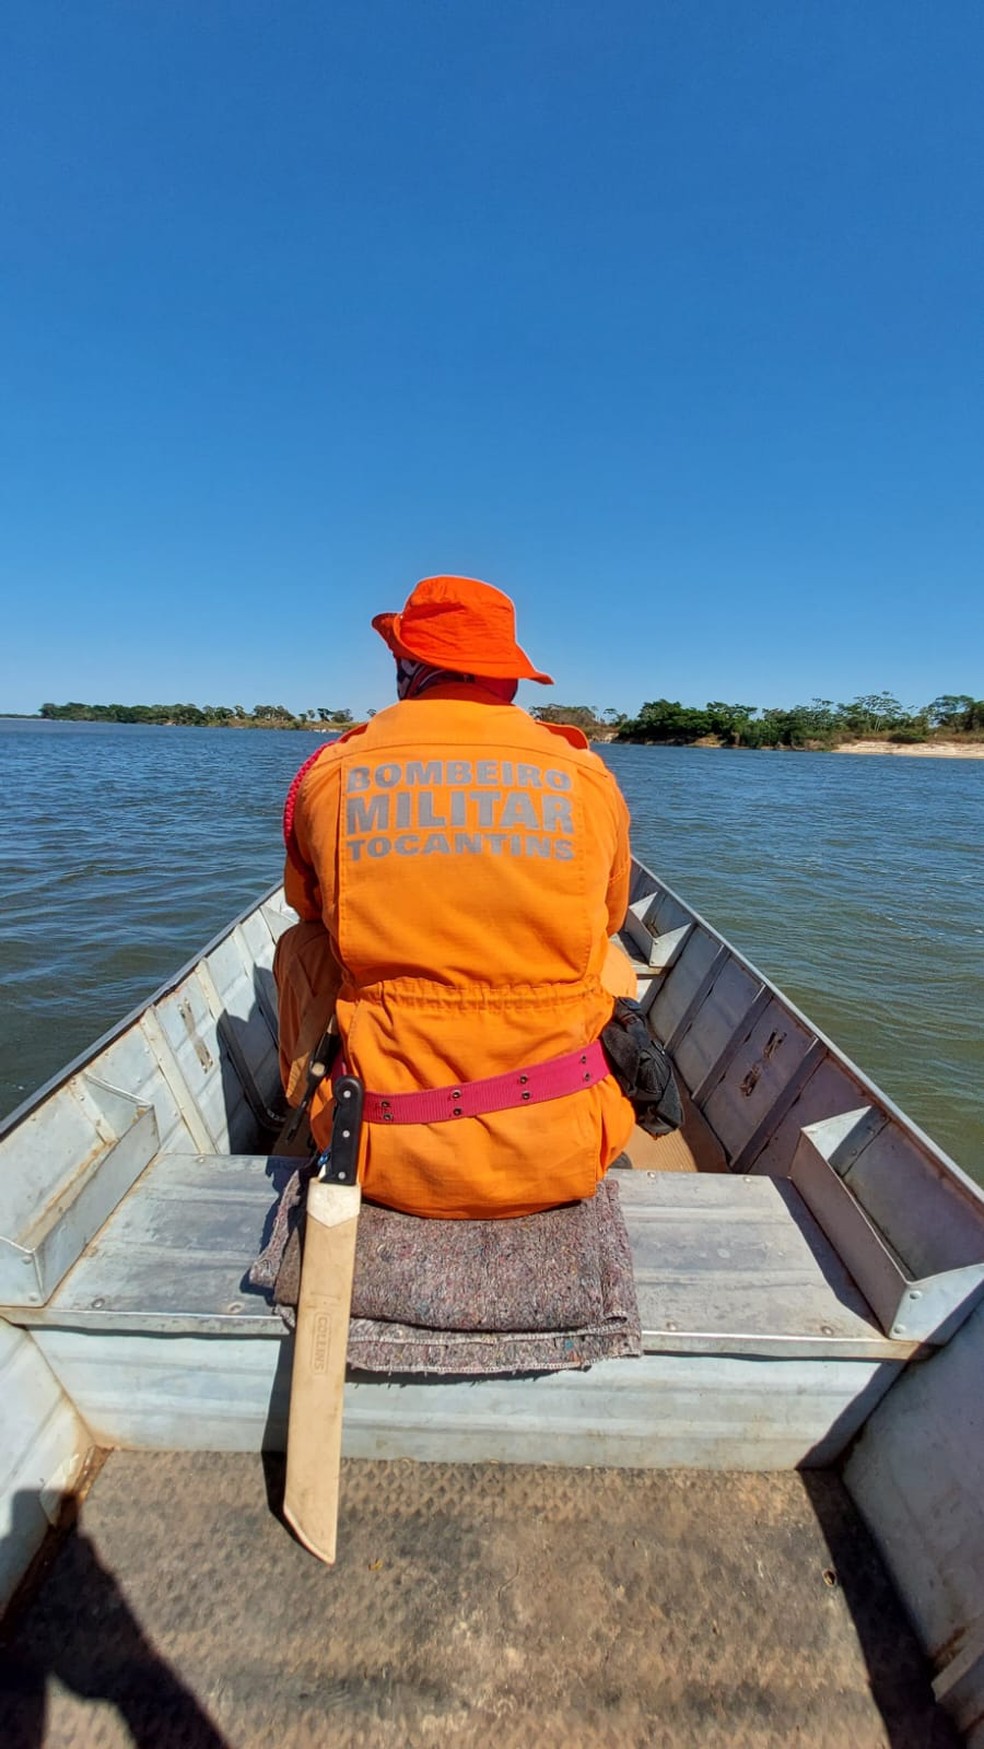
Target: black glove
x,y
642,1069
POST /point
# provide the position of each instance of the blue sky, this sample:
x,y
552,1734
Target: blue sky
x,y
666,317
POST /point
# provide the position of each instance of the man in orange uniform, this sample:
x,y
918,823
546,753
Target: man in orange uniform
x,y
458,869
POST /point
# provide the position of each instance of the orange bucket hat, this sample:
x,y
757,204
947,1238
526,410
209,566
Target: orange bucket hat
x,y
462,625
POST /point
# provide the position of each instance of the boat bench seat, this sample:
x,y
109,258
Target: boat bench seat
x,y
724,1265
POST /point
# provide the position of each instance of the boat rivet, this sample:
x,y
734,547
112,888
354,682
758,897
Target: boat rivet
x,y
671,1326
97,1305
234,1306
27,1261
826,1329
915,1294
899,1330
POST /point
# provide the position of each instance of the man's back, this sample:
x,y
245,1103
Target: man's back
x,y
469,865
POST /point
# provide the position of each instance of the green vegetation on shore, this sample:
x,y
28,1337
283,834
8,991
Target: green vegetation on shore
x,y
597,727
219,716
819,724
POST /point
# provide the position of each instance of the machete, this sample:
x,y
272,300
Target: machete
x,y
314,1434
319,1062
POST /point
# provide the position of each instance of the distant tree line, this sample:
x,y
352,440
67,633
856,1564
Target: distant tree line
x,y
222,716
821,723
594,723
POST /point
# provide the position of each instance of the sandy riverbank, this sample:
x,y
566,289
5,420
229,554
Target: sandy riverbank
x,y
917,749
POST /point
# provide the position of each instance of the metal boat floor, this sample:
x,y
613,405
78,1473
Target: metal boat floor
x,y
471,1604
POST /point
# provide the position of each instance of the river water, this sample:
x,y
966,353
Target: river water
x,y
856,883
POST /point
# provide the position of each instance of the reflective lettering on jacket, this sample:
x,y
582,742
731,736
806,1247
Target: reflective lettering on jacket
x,y
434,773
436,794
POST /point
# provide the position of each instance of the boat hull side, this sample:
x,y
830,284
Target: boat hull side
x,y
917,1475
662,1411
44,1444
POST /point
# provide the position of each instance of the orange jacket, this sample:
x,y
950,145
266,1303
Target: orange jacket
x,y
469,865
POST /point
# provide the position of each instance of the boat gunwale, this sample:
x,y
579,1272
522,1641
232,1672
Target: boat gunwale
x,y
87,1056
937,1157
936,1153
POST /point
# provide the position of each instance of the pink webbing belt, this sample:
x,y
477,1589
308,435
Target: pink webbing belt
x,y
551,1080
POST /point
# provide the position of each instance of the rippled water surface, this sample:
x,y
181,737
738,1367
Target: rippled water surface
x,y
855,883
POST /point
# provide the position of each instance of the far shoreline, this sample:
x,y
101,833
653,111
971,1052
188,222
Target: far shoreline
x,y
907,750
904,749
608,736
915,749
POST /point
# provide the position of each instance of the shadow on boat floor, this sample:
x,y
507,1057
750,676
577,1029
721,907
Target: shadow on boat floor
x,y
471,1604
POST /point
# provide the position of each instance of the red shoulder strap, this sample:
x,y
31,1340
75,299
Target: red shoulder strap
x,y
291,801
